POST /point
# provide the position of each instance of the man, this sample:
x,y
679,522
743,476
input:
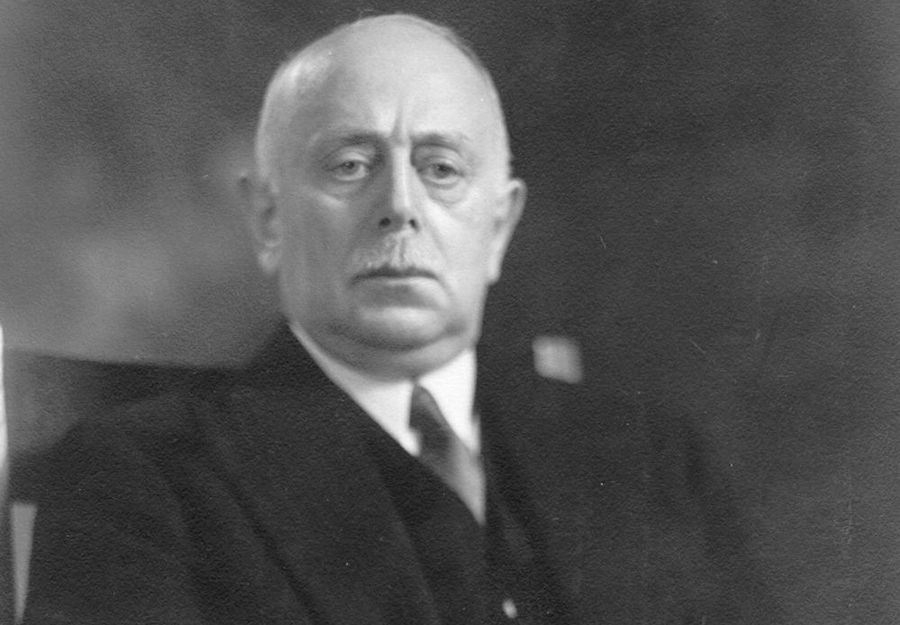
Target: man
x,y
360,471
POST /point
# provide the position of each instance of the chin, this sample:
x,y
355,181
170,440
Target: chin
x,y
402,342
401,334
401,328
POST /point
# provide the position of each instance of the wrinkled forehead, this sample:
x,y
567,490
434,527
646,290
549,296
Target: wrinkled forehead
x,y
425,85
382,67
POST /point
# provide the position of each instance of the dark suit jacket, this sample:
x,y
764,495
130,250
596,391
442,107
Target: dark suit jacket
x,y
254,501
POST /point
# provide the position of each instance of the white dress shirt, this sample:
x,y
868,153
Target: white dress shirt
x,y
387,401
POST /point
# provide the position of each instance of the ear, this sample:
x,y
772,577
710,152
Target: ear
x,y
265,221
509,210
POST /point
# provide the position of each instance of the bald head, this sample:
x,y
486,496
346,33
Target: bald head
x,y
296,83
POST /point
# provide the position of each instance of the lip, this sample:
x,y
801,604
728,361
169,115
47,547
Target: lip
x,y
394,273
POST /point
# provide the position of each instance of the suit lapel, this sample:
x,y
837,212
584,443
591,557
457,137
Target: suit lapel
x,y
295,446
512,421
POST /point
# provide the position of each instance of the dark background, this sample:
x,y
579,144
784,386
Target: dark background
x,y
712,214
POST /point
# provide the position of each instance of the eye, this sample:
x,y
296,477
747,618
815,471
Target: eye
x,y
350,169
441,172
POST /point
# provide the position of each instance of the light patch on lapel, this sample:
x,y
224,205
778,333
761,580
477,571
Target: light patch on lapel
x,y
558,358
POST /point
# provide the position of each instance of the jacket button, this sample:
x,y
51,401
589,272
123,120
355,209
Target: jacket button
x,y
509,608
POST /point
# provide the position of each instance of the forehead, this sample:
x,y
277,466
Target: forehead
x,y
397,79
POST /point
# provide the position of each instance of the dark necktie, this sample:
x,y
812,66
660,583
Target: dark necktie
x,y
445,454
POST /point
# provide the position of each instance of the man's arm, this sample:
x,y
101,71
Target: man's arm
x,y
110,544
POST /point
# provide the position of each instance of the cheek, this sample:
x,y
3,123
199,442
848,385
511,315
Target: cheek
x,y
471,254
318,227
465,234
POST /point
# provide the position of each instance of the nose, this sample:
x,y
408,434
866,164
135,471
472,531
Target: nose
x,y
401,202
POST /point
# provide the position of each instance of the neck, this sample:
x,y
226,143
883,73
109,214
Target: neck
x,y
384,363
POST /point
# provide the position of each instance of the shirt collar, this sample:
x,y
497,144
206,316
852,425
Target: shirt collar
x,y
387,401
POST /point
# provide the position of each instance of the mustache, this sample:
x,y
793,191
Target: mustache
x,y
394,259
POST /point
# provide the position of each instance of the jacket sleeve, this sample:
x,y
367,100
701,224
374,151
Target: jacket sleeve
x,y
110,545
688,488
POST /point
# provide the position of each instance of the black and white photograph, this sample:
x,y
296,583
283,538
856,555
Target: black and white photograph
x,y
413,313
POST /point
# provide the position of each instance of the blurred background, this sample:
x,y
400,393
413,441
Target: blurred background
x,y
713,190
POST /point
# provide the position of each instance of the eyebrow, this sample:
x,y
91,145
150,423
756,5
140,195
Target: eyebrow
x,y
454,140
334,138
